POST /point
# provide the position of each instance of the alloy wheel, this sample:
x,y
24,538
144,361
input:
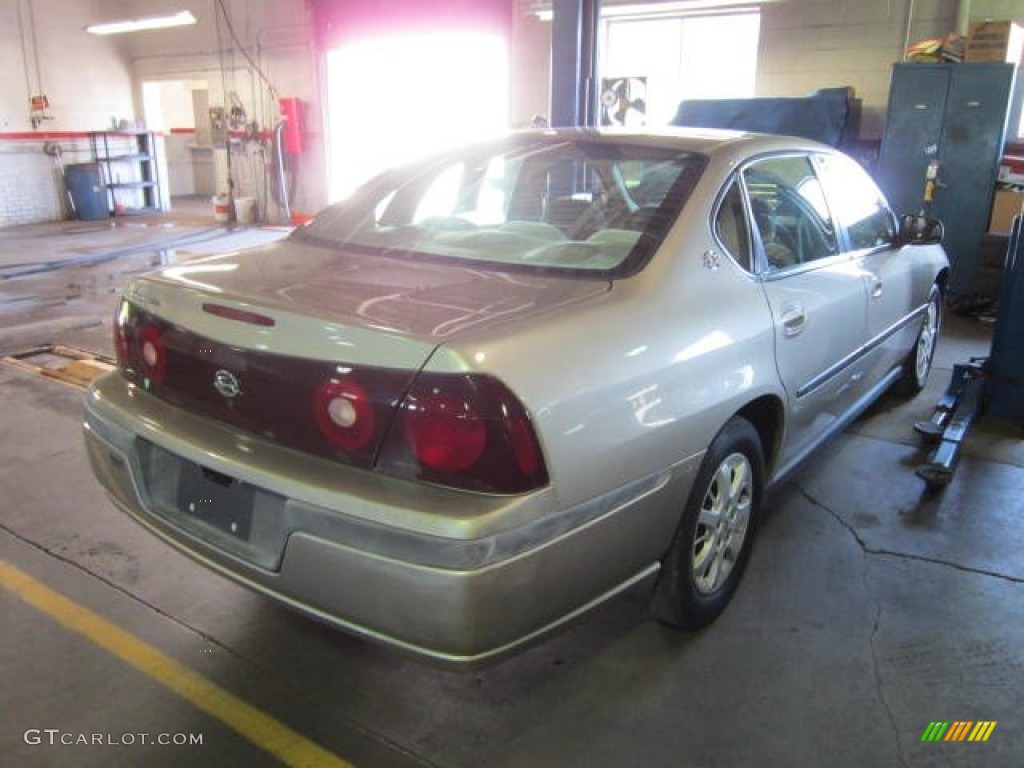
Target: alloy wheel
x,y
722,523
926,342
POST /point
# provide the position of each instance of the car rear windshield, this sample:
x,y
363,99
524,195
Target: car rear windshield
x,y
583,207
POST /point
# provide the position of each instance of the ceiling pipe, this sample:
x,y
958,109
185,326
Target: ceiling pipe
x,y
35,46
24,52
963,17
906,30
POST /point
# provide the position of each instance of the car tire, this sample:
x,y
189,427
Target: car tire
x,y
918,363
711,547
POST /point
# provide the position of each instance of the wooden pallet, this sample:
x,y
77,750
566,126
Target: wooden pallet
x,y
60,362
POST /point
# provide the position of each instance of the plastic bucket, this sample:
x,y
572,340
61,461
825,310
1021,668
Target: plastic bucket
x,y
245,210
221,207
88,193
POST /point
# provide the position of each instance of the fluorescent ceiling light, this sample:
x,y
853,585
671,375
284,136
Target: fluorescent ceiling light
x,y
179,19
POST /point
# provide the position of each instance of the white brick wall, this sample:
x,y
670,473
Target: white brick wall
x,y
31,188
810,44
87,81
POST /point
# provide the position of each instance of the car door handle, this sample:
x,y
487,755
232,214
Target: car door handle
x,y
794,319
876,287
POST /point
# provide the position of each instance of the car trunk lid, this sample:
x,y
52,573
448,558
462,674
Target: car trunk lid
x,y
290,341
323,298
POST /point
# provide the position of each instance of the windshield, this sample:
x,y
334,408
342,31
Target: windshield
x,y
588,206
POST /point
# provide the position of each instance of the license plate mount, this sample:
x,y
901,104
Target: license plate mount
x,y
218,500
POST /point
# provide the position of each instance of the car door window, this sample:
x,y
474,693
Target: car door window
x,y
731,227
792,219
859,205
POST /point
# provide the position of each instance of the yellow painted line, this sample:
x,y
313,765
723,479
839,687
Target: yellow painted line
x,y
288,746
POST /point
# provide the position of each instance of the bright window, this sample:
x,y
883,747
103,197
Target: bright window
x,y
682,57
395,99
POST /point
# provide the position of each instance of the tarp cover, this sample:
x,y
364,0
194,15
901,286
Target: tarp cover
x,y
821,116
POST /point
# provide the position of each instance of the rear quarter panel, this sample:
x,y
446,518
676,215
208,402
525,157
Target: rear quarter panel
x,y
639,379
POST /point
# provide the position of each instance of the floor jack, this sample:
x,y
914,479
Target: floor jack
x,y
961,404
993,384
959,407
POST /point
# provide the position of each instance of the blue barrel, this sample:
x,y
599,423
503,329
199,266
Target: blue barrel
x,y
1006,362
88,192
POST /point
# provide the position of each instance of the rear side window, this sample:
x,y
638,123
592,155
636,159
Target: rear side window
x,y
859,205
731,226
792,218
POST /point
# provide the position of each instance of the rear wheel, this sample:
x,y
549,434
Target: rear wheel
x,y
706,561
918,363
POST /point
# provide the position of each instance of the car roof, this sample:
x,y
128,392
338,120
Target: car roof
x,y
707,141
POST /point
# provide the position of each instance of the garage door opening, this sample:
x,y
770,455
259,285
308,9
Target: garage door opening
x,y
390,100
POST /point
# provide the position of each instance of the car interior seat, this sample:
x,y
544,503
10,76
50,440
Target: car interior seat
x,y
778,253
578,217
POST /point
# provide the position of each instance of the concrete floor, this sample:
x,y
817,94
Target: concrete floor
x,y
869,610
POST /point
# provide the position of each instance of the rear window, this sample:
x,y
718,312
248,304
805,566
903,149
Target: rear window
x,y
584,207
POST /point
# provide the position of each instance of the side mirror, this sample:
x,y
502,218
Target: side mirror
x,y
916,229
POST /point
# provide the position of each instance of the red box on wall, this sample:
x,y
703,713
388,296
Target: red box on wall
x,y
291,110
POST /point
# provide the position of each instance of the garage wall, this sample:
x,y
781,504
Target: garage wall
x,y
276,36
91,80
810,44
530,68
805,45
997,9
280,63
87,81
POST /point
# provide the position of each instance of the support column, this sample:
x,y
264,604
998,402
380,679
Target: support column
x,y
574,62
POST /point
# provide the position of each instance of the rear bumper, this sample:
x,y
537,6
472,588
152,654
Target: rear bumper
x,y
445,574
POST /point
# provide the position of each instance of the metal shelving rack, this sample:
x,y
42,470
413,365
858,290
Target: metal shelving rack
x,y
129,166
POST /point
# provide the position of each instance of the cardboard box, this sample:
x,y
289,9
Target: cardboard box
x,y
994,41
1006,204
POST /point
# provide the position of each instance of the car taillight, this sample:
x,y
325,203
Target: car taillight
x,y
140,347
444,430
464,431
344,413
151,353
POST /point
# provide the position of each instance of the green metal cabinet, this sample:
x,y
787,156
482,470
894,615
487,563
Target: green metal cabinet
x,y
954,114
